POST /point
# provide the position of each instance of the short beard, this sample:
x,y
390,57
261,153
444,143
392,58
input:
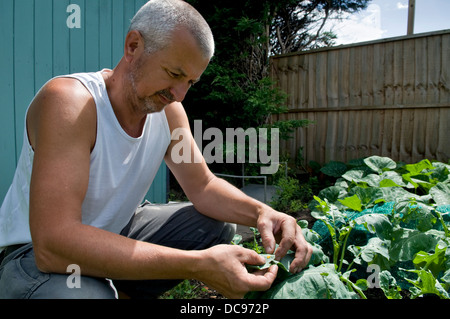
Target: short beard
x,y
142,104
147,104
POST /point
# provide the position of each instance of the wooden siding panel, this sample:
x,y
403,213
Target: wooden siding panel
x,y
61,38
36,45
105,32
23,64
118,31
77,46
92,36
7,120
43,43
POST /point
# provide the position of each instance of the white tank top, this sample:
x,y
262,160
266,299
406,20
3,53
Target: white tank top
x,y
122,169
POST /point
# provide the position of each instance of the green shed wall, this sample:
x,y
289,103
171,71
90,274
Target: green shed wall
x,y
36,44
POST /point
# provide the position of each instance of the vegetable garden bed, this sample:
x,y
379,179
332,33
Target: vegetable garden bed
x,y
381,231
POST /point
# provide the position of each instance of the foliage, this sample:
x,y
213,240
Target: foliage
x,y
379,216
291,196
236,90
297,25
236,83
187,289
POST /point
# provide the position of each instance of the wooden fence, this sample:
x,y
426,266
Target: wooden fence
x,y
389,98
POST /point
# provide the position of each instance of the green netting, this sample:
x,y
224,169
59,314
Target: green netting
x,y
360,236
385,208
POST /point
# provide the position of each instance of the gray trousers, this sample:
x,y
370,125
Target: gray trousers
x,y
173,225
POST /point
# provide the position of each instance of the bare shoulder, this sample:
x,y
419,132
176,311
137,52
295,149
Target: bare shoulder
x,y
63,104
67,97
176,116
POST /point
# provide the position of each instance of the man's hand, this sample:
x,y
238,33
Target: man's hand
x,y
278,227
223,268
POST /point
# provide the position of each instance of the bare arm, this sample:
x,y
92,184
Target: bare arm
x,y
220,200
211,195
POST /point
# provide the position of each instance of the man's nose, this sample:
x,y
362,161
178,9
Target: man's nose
x,y
179,91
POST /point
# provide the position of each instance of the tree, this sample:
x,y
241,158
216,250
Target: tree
x,y
298,25
235,90
247,33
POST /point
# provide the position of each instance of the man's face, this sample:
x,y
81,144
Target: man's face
x,y
164,77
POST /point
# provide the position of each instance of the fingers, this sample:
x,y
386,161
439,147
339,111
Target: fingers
x,y
263,279
292,239
266,231
251,257
290,235
243,281
258,281
303,254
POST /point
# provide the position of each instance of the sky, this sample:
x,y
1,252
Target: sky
x,y
389,18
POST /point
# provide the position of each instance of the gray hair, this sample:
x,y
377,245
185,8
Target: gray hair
x,y
157,20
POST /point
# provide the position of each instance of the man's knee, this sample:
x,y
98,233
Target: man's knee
x,y
178,225
200,227
227,234
61,286
21,279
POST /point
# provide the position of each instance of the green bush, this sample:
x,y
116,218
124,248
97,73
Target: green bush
x,y
291,196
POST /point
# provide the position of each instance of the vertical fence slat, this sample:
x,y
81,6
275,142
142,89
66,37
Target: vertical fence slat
x,y
387,116
355,76
291,78
398,72
421,71
442,152
302,82
311,76
434,62
444,80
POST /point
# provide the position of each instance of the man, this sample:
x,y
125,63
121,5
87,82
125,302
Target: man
x,y
92,146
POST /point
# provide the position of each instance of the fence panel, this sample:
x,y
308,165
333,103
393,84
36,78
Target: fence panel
x,y
389,98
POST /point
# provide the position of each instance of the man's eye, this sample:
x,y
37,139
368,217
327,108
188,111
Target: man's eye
x,y
173,75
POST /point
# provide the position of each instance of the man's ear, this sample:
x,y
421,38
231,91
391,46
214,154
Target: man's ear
x,y
134,45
